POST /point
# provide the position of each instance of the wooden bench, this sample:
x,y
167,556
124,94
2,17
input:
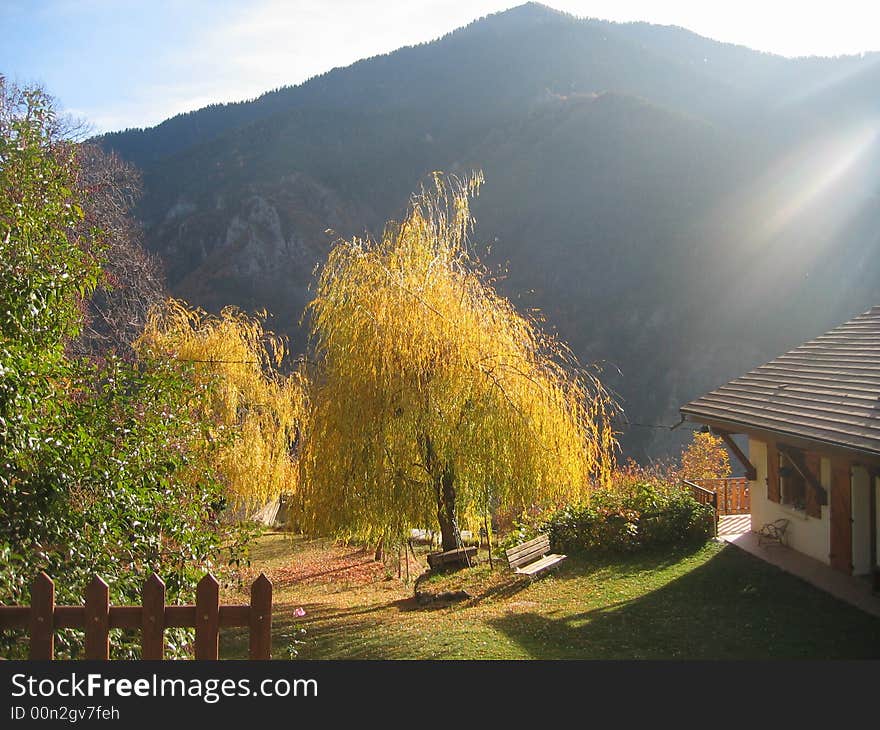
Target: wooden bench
x,y
461,556
531,558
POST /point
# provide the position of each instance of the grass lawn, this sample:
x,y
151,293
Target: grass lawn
x,y
708,602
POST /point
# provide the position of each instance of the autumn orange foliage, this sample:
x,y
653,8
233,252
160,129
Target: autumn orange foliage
x,y
705,458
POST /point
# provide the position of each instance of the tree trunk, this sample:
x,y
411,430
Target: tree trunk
x,y
444,488
446,508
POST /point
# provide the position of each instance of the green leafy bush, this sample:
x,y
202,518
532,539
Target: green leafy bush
x,y
105,466
520,531
642,516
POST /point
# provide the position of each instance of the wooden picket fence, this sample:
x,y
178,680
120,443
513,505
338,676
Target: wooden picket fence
x,y
152,617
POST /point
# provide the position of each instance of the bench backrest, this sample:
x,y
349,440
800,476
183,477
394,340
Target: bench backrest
x,y
528,552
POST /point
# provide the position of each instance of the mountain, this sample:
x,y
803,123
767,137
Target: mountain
x,y
678,208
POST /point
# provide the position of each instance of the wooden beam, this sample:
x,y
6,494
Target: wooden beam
x,y
810,478
751,472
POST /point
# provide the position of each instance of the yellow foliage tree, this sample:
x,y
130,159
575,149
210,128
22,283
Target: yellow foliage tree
x,y
433,400
705,458
254,412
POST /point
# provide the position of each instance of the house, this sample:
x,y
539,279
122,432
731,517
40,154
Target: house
x,y
812,419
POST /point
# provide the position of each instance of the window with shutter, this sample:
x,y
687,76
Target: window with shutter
x,y
793,486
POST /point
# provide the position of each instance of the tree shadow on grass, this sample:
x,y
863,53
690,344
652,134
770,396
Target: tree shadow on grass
x,y
320,620
505,590
302,577
355,633
733,606
580,565
496,592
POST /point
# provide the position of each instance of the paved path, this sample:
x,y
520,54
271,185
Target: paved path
x,y
734,524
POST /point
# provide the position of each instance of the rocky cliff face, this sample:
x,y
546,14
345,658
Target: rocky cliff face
x,y
258,248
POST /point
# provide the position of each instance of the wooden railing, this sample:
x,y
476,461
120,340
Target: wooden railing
x,y
733,494
152,617
704,496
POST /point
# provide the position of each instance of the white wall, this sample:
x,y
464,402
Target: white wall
x,y
861,526
809,535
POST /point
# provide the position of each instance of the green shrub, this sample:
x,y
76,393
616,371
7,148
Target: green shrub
x,y
520,532
106,466
642,516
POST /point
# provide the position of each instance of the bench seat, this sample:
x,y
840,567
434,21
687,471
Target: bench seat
x,y
539,566
459,556
533,557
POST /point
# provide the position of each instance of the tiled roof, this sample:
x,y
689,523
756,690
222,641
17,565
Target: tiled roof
x,y
828,390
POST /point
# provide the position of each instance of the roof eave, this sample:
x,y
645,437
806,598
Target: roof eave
x,y
737,427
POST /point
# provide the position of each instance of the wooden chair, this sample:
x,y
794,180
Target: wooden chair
x,y
773,532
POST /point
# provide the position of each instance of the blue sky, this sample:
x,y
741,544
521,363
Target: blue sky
x,y
121,63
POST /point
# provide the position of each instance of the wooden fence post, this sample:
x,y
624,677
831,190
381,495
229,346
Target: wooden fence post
x,y
261,618
153,618
42,623
715,508
208,618
97,619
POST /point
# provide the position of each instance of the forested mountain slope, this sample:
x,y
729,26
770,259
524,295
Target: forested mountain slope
x,y
678,208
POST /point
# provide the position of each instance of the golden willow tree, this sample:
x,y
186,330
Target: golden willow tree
x,y
253,412
433,400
